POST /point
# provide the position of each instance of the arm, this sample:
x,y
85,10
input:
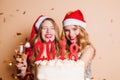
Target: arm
x,y
87,55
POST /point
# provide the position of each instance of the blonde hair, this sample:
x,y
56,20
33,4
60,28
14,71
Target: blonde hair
x,y
82,39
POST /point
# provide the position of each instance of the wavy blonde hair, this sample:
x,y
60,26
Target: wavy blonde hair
x,y
82,39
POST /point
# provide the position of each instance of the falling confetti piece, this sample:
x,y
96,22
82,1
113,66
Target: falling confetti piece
x,y
111,20
17,10
26,39
10,63
14,77
24,12
69,12
21,43
18,34
1,13
100,58
0,78
52,9
4,20
92,78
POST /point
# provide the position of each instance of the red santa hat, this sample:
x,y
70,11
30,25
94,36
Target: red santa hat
x,y
35,29
36,26
74,18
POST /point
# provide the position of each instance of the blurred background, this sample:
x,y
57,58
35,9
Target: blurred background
x,y
103,25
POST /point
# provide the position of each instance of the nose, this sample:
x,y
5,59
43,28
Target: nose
x,y
71,34
48,30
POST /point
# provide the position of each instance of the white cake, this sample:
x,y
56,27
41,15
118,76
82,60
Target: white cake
x,y
60,70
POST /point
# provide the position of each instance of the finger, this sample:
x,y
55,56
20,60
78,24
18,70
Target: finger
x,y
19,59
19,65
22,68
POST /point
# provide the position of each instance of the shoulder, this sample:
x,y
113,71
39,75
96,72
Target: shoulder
x,y
89,50
88,55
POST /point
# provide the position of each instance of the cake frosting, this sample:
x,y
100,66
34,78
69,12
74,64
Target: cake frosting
x,y
58,69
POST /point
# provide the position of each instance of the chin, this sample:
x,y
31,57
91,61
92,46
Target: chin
x,y
49,40
73,41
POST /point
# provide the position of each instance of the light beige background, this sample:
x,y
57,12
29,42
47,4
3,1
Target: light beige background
x,y
103,25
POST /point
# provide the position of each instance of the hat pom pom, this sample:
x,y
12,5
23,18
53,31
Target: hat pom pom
x,y
28,49
27,45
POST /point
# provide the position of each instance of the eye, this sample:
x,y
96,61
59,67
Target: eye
x,y
52,28
44,28
66,30
75,29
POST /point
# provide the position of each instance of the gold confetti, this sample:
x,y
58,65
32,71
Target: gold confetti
x,y
24,12
18,34
69,12
111,20
92,78
99,57
14,77
1,13
4,20
10,63
21,43
17,10
52,9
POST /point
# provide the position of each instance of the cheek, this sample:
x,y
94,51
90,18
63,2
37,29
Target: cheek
x,y
53,32
77,32
67,34
43,34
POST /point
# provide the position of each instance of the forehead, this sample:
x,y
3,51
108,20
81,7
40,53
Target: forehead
x,y
70,27
47,23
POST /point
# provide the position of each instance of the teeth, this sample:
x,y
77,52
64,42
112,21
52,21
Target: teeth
x,y
48,35
73,38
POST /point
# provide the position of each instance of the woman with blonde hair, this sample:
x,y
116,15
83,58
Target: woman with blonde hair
x,y
74,30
